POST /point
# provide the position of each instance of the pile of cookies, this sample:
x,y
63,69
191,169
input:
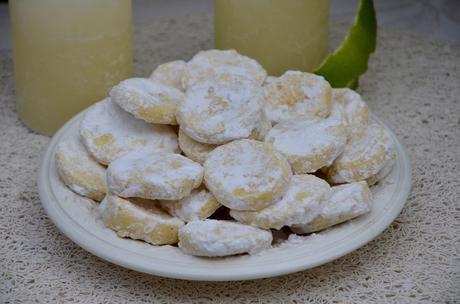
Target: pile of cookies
x,y
213,154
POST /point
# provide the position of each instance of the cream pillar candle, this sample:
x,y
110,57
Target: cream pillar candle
x,y
280,34
67,55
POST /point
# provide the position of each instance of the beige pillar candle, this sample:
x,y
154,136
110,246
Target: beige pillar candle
x,y
280,34
67,55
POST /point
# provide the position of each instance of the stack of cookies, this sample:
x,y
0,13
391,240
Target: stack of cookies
x,y
215,136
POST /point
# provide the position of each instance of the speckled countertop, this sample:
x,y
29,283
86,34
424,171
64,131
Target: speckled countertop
x,y
413,84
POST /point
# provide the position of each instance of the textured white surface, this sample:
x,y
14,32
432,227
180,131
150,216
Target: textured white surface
x,y
412,84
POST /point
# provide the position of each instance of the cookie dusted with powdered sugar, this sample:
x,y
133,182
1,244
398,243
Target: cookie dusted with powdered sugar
x,y
108,132
364,155
79,171
193,149
148,100
170,74
199,205
207,65
346,202
139,219
153,175
297,96
299,205
220,110
309,145
214,238
247,174
355,110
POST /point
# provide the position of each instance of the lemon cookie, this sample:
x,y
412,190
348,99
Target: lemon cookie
x,y
214,238
108,132
193,149
262,129
148,100
79,171
153,175
206,65
297,96
346,202
309,145
199,205
386,169
221,110
246,174
269,79
356,112
300,204
139,219
364,155
170,74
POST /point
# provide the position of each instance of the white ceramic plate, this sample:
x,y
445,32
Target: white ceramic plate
x,y
76,218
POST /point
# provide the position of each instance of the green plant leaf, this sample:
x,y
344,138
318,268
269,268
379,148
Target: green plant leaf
x,y
343,67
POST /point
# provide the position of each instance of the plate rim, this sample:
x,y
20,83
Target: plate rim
x,y
90,243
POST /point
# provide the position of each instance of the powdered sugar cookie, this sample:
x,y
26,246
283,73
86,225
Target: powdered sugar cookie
x,y
346,202
220,238
153,175
301,203
148,100
206,65
221,110
269,79
170,74
108,132
79,171
356,112
246,174
308,145
262,129
364,155
139,219
199,205
194,150
386,169
297,96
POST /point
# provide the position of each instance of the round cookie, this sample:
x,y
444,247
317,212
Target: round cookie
x,y
139,219
170,74
150,101
386,170
297,96
153,175
214,238
246,174
206,65
108,132
309,145
194,150
301,203
262,129
199,205
356,112
269,79
221,110
364,155
79,171
346,202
